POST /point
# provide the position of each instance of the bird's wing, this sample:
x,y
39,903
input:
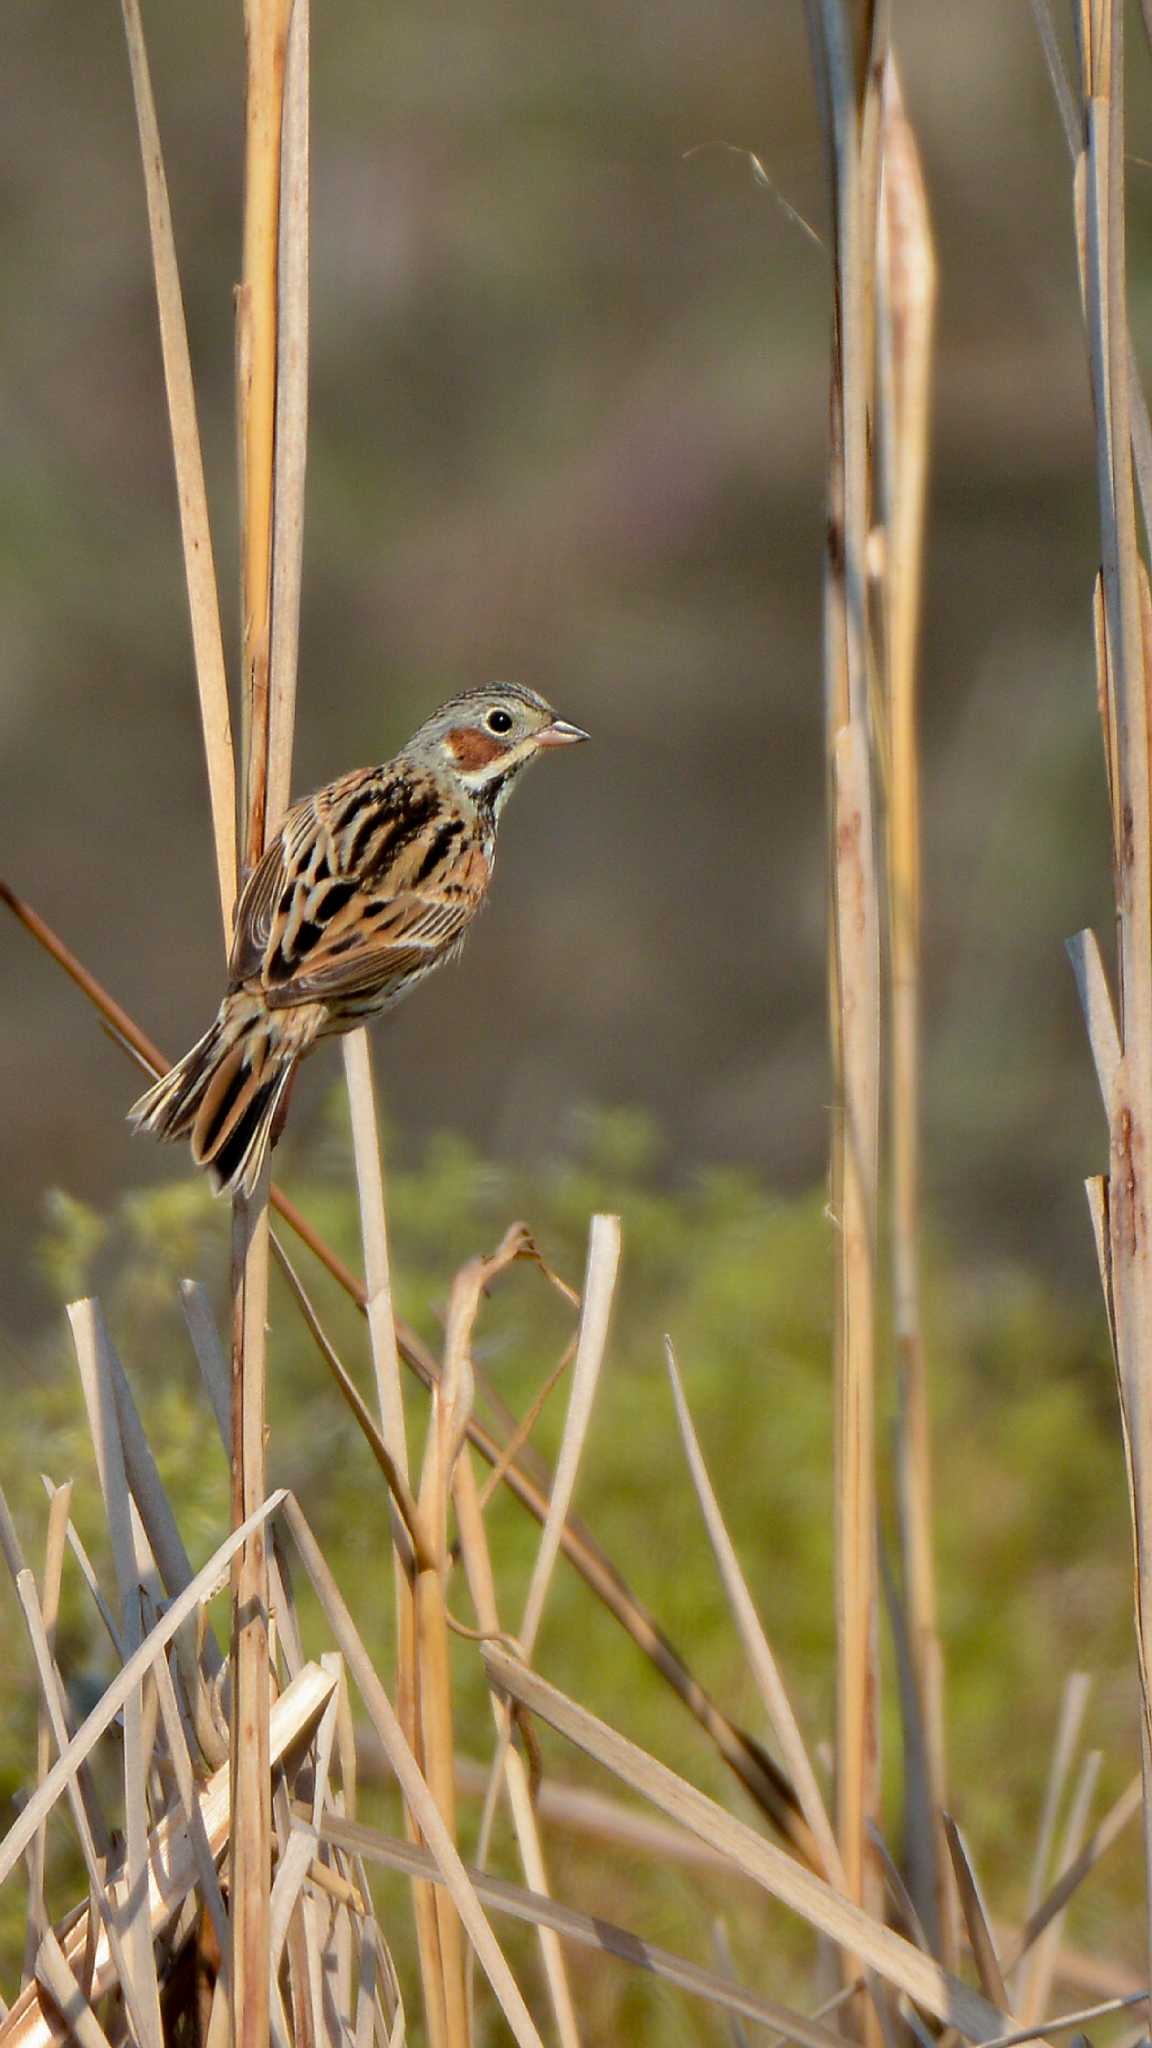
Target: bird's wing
x,y
368,882
373,944
281,869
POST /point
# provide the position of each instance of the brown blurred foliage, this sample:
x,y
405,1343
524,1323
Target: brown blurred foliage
x,y
568,425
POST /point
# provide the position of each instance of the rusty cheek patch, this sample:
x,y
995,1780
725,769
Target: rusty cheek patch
x,y
471,748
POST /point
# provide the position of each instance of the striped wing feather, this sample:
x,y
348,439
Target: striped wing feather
x,y
370,882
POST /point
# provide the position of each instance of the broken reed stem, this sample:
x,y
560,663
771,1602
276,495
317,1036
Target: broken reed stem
x,y
266,35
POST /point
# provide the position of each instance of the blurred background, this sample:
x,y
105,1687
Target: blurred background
x,y
568,424
569,395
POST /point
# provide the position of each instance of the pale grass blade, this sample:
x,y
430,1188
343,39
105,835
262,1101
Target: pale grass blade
x,y
757,1650
976,1919
1046,1951
291,414
844,1922
374,1237
420,1801
591,1931
203,600
54,1548
193,1820
596,1308
291,1871
1069,1728
67,1998
1064,2022
1119,1815
87,1572
482,1586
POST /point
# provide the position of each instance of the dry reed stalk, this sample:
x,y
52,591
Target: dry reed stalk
x,y
847,43
981,1940
250,1863
271,405
438,1924
1073,1707
54,1547
374,1239
1045,1956
258,313
423,1700
410,1542
906,280
199,570
67,1998
1120,1035
292,338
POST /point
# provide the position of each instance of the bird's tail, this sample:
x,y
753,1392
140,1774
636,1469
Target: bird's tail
x,y
224,1094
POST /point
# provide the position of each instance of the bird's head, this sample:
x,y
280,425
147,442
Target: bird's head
x,y
485,738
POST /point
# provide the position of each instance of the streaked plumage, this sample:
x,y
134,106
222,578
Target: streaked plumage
x,y
367,886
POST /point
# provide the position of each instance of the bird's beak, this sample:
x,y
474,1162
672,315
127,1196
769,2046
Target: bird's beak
x,y
560,734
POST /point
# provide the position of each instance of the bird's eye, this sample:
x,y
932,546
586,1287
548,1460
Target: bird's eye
x,y
499,721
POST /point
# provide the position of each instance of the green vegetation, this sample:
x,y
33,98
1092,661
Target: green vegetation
x,y
1033,1523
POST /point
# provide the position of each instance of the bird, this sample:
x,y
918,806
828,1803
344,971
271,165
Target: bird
x,y
368,886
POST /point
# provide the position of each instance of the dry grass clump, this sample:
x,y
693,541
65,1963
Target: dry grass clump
x,y
214,1787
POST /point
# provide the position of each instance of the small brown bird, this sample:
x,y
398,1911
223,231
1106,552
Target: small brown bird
x,y
367,886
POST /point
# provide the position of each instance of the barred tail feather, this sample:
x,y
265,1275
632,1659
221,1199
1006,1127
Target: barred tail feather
x,y
226,1092
233,1128
168,1108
